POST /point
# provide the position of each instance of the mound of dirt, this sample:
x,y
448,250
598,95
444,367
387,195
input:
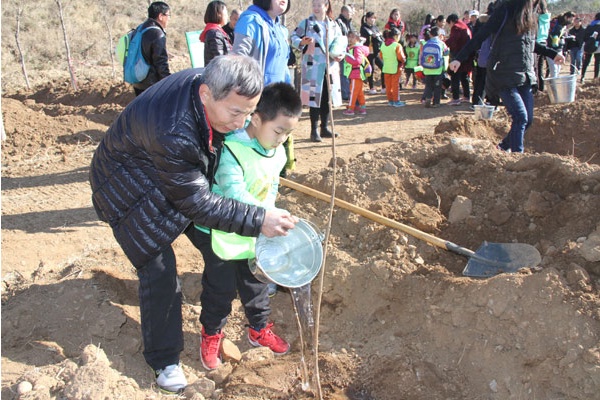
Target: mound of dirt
x,y
397,318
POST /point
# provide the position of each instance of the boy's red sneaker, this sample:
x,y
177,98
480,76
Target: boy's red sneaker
x,y
210,350
266,337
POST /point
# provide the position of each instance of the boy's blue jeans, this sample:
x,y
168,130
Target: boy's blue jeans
x,y
519,105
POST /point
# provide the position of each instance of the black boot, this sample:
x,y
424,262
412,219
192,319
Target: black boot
x,y
314,136
314,122
326,133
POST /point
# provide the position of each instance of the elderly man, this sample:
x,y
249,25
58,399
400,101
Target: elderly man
x,y
151,179
229,27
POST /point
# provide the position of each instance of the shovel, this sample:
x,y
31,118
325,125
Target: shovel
x,y
489,260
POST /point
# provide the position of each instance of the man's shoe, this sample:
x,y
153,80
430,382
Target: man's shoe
x,y
455,102
265,337
399,104
372,91
326,133
427,103
210,350
315,137
171,379
382,90
465,100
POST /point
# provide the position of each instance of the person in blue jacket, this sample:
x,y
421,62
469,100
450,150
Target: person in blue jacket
x,y
260,34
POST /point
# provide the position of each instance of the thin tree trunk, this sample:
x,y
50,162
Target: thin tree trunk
x,y
21,56
110,40
69,60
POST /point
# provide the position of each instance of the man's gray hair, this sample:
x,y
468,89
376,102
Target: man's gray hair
x,y
240,74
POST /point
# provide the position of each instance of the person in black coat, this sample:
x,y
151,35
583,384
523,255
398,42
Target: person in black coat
x,y
374,40
510,68
151,178
591,47
574,45
154,45
216,40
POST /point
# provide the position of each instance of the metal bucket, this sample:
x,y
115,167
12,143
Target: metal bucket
x,y
561,89
483,111
289,261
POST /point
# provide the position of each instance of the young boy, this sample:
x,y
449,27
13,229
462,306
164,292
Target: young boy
x,y
393,58
248,171
354,59
434,65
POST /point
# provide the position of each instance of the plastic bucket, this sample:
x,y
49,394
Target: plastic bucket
x,y
483,111
561,89
289,261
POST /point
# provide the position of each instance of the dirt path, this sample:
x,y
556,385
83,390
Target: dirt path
x,y
398,319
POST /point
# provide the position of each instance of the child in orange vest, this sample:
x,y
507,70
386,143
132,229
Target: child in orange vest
x,y
354,60
393,57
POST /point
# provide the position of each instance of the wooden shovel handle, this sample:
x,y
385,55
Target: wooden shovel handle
x,y
372,216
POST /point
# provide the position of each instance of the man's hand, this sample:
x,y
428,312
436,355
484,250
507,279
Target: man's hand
x,y
559,59
454,66
277,223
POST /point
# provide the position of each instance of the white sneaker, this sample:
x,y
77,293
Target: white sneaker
x,y
372,91
171,379
383,91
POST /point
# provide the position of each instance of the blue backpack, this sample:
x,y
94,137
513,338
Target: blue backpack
x,y
129,50
487,45
432,55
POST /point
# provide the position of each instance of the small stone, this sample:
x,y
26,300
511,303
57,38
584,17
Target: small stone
x,y
494,386
204,386
24,387
230,351
258,354
461,208
390,168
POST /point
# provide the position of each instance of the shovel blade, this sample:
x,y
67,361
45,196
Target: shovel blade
x,y
496,258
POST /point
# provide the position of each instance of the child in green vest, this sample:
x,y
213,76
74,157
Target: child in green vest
x,y
412,51
248,171
393,57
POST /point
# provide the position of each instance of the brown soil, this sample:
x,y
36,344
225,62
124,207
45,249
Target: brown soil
x,y
398,319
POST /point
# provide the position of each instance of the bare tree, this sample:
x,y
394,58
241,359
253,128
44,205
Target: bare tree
x,y
104,7
69,60
21,55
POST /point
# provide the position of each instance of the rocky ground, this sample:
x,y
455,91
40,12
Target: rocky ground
x,y
397,318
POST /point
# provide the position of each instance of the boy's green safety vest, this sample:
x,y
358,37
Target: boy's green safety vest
x,y
261,173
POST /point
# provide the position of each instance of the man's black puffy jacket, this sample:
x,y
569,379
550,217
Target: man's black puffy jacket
x,y
154,50
152,172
